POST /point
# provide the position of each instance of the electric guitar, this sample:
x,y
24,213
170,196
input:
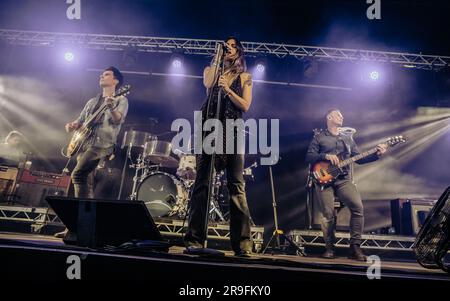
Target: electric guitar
x,y
323,172
84,132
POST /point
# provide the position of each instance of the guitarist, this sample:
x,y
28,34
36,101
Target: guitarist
x,y
106,129
332,145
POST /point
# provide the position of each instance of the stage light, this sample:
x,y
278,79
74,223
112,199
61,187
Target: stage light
x,y
260,67
69,56
374,75
177,63
130,56
310,68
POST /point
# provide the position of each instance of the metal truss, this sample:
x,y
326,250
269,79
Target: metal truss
x,y
40,217
176,228
380,242
207,47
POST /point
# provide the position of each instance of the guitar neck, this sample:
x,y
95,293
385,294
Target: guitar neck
x,y
95,115
357,157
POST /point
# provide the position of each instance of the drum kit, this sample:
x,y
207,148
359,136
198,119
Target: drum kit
x,y
166,194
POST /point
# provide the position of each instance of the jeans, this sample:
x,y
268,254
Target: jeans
x,y
346,191
87,161
239,213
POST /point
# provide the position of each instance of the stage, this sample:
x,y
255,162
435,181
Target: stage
x,y
331,129
47,256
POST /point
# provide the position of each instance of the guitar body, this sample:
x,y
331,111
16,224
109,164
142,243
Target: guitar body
x,y
323,174
76,142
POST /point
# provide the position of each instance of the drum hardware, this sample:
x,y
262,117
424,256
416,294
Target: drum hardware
x,y
140,172
214,209
168,195
248,172
134,141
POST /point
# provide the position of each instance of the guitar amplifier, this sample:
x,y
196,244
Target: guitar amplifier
x,y
34,186
408,216
8,177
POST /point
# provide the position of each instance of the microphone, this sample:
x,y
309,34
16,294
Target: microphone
x,y
226,46
222,48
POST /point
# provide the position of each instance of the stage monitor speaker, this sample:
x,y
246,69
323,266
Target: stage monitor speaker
x,y
97,223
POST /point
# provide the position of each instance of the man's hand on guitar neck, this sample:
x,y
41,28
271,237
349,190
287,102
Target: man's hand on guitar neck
x,y
72,126
381,148
110,102
116,116
332,158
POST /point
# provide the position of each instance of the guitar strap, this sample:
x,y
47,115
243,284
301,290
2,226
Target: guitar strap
x,y
99,101
347,144
97,104
348,147
92,110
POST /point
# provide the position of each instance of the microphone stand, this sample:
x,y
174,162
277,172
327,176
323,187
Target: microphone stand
x,y
124,169
278,233
219,69
309,198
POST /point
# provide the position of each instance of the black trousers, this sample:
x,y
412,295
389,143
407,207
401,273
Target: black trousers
x,y
347,193
87,161
239,213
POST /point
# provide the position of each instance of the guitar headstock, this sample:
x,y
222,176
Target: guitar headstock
x,y
395,140
317,131
124,90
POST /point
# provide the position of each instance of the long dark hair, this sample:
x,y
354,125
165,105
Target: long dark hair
x,y
238,65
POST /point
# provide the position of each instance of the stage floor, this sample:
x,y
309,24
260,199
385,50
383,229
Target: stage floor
x,y
48,255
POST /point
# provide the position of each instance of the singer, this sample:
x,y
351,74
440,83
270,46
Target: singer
x,y
227,77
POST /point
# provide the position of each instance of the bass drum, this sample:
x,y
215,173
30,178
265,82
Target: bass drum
x,y
163,194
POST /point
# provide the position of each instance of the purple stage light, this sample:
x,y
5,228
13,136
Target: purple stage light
x,y
177,63
374,75
68,56
260,67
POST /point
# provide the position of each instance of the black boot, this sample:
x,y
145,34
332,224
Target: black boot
x,y
329,253
356,253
